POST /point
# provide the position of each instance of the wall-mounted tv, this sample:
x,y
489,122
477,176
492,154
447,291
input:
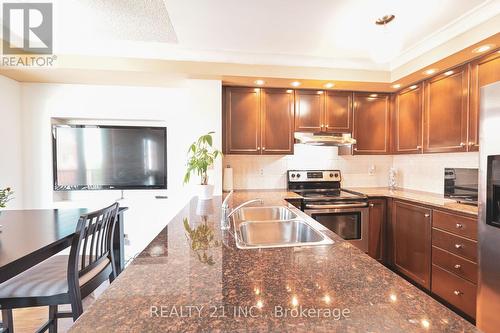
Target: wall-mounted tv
x,y
88,157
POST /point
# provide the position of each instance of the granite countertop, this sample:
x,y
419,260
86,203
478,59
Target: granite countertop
x,y
426,198
209,285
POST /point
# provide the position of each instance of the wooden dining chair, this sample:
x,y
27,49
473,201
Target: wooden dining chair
x,y
65,279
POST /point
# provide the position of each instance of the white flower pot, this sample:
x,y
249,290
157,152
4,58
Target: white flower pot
x,y
205,192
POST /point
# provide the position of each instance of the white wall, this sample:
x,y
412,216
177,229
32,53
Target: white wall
x,y
426,172
11,162
188,109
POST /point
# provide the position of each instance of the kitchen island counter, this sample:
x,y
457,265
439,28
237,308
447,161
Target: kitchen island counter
x,y
192,277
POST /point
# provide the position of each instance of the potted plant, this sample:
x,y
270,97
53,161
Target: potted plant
x,y
201,156
5,196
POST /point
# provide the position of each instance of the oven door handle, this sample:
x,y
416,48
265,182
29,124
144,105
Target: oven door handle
x,y
334,206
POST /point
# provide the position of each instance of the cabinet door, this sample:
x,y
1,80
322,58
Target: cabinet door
x,y
338,112
371,123
277,121
484,71
408,121
309,108
376,240
242,115
445,118
412,242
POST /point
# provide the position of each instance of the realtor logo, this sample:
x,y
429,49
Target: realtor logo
x,y
27,28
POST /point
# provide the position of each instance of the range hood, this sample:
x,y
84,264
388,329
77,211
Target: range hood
x,y
321,139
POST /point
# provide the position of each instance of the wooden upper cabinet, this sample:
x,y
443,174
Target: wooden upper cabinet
x,y
445,112
412,241
338,112
407,121
309,108
242,118
277,121
484,71
371,123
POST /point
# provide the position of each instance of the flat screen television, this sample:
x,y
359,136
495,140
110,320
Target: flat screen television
x,y
88,157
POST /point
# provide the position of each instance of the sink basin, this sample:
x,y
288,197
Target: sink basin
x,y
277,213
278,226
271,233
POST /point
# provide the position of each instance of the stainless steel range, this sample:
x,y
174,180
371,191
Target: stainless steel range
x,y
343,212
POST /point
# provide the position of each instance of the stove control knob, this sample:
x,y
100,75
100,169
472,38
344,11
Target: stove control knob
x,y
293,175
331,175
336,175
298,175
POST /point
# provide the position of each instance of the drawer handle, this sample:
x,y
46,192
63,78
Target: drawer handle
x,y
459,246
457,266
459,225
458,293
427,215
371,205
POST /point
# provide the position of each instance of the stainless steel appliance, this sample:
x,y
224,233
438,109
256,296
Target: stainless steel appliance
x,y
461,184
343,212
488,301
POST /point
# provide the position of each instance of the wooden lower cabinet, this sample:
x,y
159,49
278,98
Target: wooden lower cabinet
x,y
411,233
376,229
454,260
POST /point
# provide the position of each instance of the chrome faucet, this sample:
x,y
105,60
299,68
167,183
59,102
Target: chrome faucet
x,y
225,214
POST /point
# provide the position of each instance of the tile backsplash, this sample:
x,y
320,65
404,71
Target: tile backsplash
x,y
269,172
418,172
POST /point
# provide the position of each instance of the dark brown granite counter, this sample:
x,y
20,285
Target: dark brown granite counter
x,y
208,285
426,198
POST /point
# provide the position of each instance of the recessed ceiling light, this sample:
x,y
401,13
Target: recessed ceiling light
x,y
482,48
396,86
430,71
449,73
413,86
329,85
295,83
260,82
373,95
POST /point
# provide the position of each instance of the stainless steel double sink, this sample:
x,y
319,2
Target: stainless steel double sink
x,y
275,226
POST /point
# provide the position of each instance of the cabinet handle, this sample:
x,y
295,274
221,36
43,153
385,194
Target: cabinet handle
x,y
462,144
459,225
458,292
355,149
427,215
457,266
419,147
471,143
263,148
459,246
371,205
258,148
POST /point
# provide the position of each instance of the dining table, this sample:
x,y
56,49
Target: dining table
x,y
30,236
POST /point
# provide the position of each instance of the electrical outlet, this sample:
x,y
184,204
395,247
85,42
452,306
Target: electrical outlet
x,y
261,172
372,169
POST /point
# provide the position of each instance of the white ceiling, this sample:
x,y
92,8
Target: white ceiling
x,y
319,33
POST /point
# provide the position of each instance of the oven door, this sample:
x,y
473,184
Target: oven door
x,y
349,221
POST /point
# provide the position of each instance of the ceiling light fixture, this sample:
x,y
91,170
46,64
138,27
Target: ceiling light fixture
x,y
448,73
482,48
430,71
396,86
329,85
260,82
386,41
295,83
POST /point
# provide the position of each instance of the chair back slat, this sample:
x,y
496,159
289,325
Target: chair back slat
x,y
92,241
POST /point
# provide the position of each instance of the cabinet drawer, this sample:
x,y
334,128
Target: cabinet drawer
x,y
455,264
456,291
457,245
462,226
